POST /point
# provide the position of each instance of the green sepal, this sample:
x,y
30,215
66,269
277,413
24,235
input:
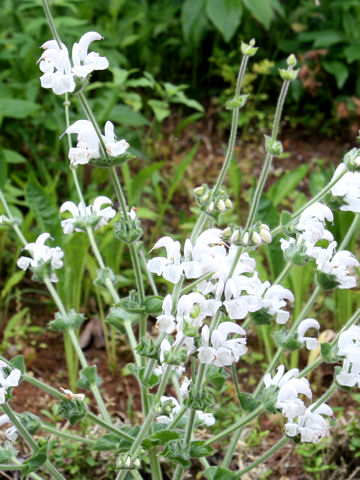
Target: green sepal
x,y
199,449
274,147
88,377
288,75
111,161
19,363
118,316
31,422
63,323
248,49
128,230
327,281
153,305
269,398
6,455
261,317
190,330
217,376
147,348
41,271
327,352
175,451
175,357
35,461
284,340
352,160
199,401
236,102
248,402
219,473
103,275
131,303
73,410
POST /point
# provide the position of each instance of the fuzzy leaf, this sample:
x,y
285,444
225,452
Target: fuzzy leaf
x,y
199,449
88,377
225,15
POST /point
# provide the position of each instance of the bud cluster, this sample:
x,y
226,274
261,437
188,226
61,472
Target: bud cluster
x,y
289,74
212,205
128,462
6,222
352,160
259,234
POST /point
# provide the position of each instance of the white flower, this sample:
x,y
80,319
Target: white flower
x,y
349,347
311,343
223,352
166,321
98,216
312,223
348,187
71,396
88,146
170,266
339,265
289,389
311,425
6,382
207,418
275,299
42,254
11,433
58,74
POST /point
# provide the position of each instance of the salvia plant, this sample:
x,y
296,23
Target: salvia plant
x,y
214,295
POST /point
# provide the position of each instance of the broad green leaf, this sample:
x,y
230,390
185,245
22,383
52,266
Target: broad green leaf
x,y
193,20
13,157
87,377
3,169
261,10
124,115
225,15
140,180
41,204
198,449
219,473
339,70
352,53
286,184
16,108
109,441
160,108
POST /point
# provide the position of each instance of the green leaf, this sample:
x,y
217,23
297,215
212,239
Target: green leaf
x,y
327,352
5,455
42,206
73,410
13,157
3,169
219,473
31,422
286,184
174,451
63,323
107,442
216,376
118,316
261,10
87,377
161,437
13,280
339,70
193,20
153,305
352,53
199,449
19,363
284,340
34,463
160,108
225,15
248,402
141,178
16,108
125,115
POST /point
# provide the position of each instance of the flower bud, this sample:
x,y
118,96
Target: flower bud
x,y
228,203
211,207
221,205
245,239
235,236
352,160
199,190
255,237
265,235
205,198
291,60
128,462
227,232
288,75
137,463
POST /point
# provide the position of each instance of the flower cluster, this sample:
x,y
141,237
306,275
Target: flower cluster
x,y
42,256
349,347
347,188
336,269
58,72
311,426
88,143
93,216
7,381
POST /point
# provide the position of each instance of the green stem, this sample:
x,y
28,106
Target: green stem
x,y
10,215
70,436
234,128
51,22
29,440
33,475
264,457
230,450
177,418
268,159
179,471
240,423
331,390
352,229
317,198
